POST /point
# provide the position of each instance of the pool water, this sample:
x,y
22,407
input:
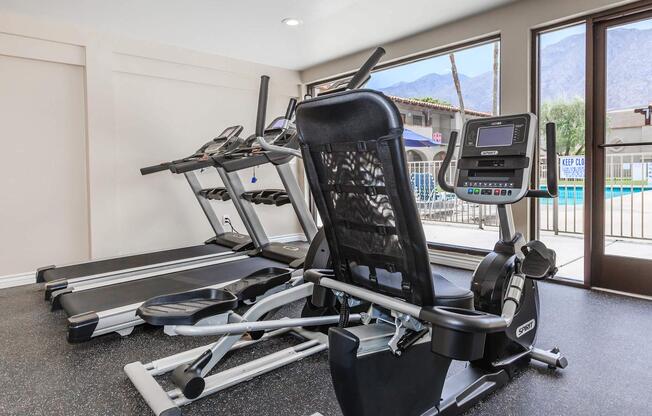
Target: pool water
x,y
574,195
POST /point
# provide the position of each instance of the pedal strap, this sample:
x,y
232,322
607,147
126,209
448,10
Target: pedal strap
x,y
540,261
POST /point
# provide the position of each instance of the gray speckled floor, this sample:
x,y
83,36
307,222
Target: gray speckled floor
x,y
607,339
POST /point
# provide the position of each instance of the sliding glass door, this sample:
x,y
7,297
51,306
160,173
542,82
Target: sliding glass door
x,y
622,163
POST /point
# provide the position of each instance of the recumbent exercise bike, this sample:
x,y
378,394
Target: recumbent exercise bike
x,y
419,321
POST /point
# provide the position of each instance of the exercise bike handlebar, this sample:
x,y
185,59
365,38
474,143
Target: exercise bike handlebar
x,y
551,190
464,320
363,73
441,175
551,163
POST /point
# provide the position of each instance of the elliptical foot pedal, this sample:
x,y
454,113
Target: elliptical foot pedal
x,y
187,308
259,282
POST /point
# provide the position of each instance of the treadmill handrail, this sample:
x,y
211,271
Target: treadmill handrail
x,y
278,149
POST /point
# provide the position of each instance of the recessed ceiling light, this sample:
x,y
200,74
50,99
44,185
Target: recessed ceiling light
x,y
292,21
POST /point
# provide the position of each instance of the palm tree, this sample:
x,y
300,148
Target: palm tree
x,y
495,91
458,86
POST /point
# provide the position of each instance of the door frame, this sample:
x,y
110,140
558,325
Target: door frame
x,y
594,273
534,108
607,271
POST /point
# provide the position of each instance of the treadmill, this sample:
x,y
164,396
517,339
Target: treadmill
x,y
112,308
88,274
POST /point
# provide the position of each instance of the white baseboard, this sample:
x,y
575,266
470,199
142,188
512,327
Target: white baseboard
x,y
286,238
20,279
617,292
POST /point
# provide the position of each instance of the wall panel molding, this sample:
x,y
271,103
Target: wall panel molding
x,y
44,50
142,102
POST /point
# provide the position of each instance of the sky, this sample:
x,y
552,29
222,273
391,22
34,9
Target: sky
x,y
474,60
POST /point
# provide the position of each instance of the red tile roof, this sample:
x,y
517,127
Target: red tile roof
x,y
440,107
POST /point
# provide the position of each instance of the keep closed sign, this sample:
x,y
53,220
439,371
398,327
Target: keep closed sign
x,y
571,167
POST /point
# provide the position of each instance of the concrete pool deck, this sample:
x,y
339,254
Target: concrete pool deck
x,y
569,247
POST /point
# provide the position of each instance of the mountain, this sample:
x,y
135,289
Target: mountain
x,y
475,90
629,76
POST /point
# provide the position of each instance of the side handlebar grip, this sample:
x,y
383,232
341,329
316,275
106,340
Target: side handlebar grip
x,y
262,105
154,169
292,106
463,320
363,73
551,166
551,152
441,175
184,167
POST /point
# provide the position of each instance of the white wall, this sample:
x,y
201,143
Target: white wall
x,y
43,202
81,112
512,22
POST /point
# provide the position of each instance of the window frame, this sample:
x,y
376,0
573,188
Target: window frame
x,y
409,59
310,88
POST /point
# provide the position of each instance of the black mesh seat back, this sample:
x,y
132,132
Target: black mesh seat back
x,y
356,166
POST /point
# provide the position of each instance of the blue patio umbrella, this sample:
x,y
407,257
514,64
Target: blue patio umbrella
x,y
412,139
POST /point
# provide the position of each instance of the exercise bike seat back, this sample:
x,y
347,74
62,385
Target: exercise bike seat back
x,y
359,177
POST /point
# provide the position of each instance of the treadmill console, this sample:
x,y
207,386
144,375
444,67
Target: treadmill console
x,y
229,132
496,159
279,132
224,142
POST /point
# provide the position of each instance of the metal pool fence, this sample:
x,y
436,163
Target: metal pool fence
x,y
628,199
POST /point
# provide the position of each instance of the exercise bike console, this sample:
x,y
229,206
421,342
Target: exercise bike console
x,y
495,155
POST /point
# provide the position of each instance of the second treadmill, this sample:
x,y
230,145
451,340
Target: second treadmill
x,y
99,272
112,308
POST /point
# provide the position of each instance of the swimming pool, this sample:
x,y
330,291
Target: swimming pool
x,y
574,195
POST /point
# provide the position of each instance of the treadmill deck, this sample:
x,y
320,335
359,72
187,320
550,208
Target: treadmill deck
x,y
137,291
129,262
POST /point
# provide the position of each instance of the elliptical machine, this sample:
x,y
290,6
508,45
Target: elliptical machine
x,y
419,321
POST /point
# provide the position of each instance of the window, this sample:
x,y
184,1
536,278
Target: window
x,y
431,107
561,92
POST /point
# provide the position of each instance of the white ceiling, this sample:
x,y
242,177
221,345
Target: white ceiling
x,y
252,29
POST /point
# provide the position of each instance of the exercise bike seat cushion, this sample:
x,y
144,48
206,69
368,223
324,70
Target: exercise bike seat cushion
x,y
448,294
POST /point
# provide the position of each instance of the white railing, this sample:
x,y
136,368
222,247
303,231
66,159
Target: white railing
x,y
627,203
439,206
628,199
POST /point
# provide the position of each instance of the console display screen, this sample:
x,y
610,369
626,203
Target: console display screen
x,y
495,136
276,124
229,131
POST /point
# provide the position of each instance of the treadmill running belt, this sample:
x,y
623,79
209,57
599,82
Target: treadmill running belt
x,y
128,262
137,291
